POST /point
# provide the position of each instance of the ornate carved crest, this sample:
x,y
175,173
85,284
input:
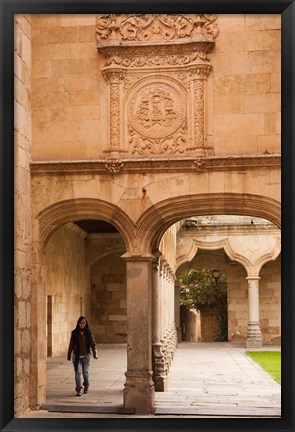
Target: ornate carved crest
x,y
154,27
157,119
156,110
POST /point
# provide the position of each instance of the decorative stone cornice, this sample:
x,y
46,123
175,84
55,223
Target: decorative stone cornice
x,y
127,29
157,165
148,57
149,41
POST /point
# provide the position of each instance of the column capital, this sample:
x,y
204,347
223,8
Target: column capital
x,y
114,74
138,257
199,71
253,277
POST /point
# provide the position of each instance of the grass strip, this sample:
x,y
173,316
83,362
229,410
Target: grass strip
x,y
270,361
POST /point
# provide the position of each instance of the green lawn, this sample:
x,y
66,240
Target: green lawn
x,y
270,361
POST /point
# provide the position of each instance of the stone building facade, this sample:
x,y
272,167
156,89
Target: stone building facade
x,y
125,126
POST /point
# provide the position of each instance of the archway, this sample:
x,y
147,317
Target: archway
x,y
142,241
63,221
202,325
249,260
156,220
85,275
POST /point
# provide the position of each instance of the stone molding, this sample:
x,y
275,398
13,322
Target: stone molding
x,y
157,165
152,57
150,233
62,212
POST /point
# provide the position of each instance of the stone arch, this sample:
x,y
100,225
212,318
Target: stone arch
x,y
155,221
233,253
53,217
49,220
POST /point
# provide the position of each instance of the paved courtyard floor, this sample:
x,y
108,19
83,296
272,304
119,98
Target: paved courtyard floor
x,y
205,380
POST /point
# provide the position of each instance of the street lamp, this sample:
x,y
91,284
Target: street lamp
x,y
216,274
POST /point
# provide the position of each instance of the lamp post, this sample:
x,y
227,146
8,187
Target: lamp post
x,y
216,274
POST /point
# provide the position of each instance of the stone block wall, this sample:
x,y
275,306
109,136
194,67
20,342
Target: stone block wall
x,y
65,87
69,96
190,325
270,301
22,213
247,84
109,300
68,287
237,302
209,326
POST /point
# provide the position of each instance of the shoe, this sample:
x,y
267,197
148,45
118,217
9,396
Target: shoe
x,y
79,392
85,389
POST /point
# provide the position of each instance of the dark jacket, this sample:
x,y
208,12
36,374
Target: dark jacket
x,y
80,345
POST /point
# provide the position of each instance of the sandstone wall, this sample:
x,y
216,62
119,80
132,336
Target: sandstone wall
x,y
270,301
209,326
22,216
66,87
70,94
73,259
247,84
109,300
68,286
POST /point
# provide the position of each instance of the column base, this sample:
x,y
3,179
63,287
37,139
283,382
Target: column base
x,y
139,392
253,335
160,383
253,343
159,368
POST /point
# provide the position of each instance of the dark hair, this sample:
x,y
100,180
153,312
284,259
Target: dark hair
x,y
79,320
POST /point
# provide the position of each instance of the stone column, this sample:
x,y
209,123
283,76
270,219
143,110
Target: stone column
x,y
139,392
177,311
160,375
162,300
114,76
198,74
253,332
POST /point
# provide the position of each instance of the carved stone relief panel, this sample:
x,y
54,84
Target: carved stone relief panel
x,y
156,67
154,27
157,118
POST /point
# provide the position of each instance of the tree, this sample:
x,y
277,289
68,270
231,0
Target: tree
x,y
199,290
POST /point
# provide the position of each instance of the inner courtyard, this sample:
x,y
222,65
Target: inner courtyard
x,y
145,145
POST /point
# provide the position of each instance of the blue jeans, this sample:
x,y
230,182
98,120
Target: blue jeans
x,y
82,367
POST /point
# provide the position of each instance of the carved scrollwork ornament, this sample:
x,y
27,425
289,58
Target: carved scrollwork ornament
x,y
154,27
114,166
199,163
